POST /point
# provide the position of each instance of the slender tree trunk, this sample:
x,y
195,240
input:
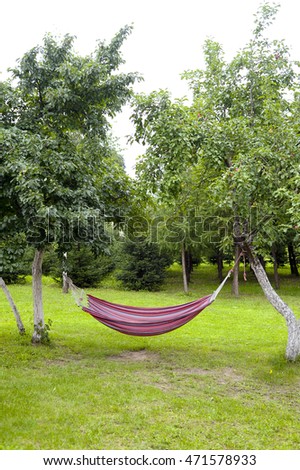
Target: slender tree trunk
x,y
39,323
276,275
66,284
293,325
292,260
235,280
184,270
13,306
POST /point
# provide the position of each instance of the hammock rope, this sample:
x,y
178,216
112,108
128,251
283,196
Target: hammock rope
x,y
78,294
143,321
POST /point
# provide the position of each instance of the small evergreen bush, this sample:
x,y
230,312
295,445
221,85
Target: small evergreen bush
x,y
143,266
84,267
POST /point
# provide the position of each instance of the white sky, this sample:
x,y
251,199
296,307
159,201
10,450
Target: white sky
x,y
167,37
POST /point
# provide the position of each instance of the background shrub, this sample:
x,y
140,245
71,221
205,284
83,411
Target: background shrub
x,y
142,266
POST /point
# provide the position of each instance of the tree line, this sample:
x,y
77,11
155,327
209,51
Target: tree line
x,y
219,175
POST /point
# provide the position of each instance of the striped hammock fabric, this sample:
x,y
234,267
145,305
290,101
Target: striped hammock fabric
x,y
142,321
138,321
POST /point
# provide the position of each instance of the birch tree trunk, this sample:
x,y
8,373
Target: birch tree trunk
x,y
66,284
293,325
38,312
235,280
13,306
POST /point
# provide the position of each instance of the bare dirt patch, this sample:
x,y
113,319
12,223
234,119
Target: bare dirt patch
x,y
135,356
64,361
229,375
224,375
196,371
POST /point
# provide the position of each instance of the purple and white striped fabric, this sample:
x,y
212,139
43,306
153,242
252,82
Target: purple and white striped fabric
x,y
141,321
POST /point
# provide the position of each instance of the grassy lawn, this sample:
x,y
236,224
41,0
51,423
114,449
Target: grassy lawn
x,y
220,382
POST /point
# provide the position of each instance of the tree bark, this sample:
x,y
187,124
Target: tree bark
x,y
38,312
184,270
293,325
66,284
235,280
13,306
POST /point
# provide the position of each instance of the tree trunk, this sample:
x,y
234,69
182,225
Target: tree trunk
x,y
13,306
292,260
276,275
293,325
184,270
66,284
39,323
235,280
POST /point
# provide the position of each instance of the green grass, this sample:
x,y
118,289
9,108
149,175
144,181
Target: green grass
x,y
220,382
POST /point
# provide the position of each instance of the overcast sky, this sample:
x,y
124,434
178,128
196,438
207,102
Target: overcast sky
x,y
167,37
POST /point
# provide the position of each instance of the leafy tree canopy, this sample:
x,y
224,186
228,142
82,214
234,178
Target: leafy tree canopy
x,y
59,167
234,148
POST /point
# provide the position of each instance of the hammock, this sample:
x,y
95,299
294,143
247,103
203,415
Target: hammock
x,y
144,321
141,321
